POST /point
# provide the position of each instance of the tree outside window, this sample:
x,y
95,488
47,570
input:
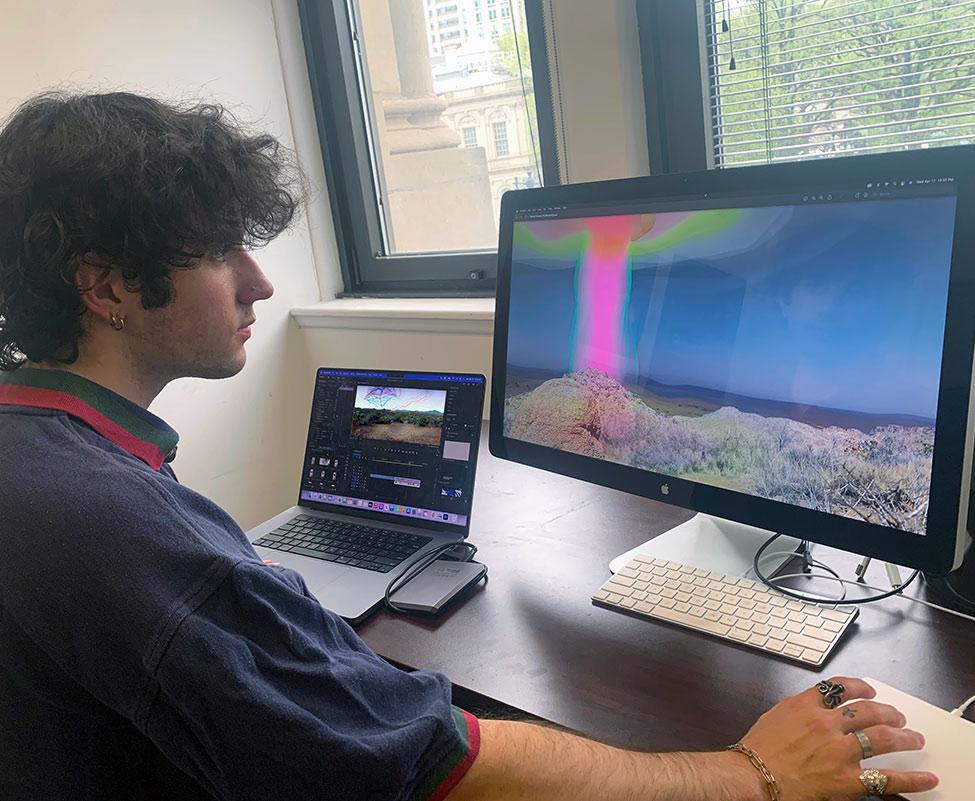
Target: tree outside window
x,y
794,79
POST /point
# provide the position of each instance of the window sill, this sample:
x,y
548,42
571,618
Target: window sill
x,y
431,315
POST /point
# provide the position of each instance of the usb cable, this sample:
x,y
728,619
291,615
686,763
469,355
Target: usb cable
x,y
958,711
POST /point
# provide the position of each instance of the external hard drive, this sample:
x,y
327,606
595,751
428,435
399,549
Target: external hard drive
x,y
433,588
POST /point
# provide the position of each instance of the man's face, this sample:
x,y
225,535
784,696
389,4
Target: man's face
x,y
202,332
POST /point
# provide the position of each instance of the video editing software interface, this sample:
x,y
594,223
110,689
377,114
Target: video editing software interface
x,y
787,347
398,443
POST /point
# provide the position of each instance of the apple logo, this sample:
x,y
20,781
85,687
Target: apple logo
x,y
665,489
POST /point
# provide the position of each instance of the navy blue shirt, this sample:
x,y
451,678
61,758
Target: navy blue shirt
x,y
147,652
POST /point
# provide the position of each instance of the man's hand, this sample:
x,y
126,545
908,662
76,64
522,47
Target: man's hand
x,y
809,749
812,752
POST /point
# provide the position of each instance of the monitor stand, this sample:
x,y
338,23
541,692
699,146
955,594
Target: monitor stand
x,y
957,589
712,543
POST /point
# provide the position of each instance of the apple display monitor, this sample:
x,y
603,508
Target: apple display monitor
x,y
786,347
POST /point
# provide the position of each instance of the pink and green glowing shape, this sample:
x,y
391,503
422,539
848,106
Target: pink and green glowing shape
x,y
604,248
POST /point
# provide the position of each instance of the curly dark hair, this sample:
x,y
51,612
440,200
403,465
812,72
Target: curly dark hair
x,y
129,182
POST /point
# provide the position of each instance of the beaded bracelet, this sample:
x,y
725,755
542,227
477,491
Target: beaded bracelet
x,y
760,766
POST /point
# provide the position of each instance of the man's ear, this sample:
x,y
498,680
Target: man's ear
x,y
100,287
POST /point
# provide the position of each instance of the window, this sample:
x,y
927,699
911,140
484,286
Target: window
x,y
500,130
411,191
814,79
492,14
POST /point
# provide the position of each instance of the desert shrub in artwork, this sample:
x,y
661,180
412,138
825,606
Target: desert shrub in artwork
x,y
881,476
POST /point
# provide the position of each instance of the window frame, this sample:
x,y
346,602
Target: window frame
x,y
674,63
331,40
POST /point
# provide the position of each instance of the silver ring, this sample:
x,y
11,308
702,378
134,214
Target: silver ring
x,y
832,693
873,781
865,745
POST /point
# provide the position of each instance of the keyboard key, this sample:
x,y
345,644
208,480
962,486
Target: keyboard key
x,y
820,634
775,645
680,617
803,641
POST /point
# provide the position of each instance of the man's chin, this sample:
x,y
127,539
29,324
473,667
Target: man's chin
x,y
226,369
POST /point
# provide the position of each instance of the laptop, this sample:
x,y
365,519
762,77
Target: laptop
x,y
387,477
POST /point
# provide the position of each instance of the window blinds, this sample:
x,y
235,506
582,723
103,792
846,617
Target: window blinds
x,y
798,79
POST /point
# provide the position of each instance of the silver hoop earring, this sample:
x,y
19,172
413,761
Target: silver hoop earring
x,y
117,321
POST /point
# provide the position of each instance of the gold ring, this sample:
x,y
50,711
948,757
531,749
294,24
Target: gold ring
x,y
873,781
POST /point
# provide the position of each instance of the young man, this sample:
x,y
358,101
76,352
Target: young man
x,y
145,650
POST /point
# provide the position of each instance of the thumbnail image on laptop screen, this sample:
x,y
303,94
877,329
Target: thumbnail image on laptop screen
x,y
791,352
394,443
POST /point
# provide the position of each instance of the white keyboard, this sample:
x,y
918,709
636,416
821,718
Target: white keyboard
x,y
735,609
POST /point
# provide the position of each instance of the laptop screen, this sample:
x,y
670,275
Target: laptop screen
x,y
401,444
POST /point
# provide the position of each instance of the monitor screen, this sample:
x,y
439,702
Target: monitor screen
x,y
392,443
784,346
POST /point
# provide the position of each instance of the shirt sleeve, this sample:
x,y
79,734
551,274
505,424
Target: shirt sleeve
x,y
262,693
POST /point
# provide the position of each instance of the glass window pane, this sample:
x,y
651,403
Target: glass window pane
x,y
437,81
839,77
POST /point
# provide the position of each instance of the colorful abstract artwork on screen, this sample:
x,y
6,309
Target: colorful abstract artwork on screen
x,y
790,352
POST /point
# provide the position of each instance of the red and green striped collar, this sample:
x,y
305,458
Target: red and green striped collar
x,y
128,425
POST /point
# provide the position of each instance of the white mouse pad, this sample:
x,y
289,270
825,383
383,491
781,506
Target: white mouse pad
x,y
950,742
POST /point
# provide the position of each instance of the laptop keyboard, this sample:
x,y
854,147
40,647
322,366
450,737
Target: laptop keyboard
x,y
344,543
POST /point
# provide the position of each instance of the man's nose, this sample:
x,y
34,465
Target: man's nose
x,y
254,285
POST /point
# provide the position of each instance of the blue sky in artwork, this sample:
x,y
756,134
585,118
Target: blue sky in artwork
x,y
839,305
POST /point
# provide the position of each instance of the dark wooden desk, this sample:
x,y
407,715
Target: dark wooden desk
x,y
532,640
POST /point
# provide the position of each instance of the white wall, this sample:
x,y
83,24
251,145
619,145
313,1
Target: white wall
x,y
239,436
